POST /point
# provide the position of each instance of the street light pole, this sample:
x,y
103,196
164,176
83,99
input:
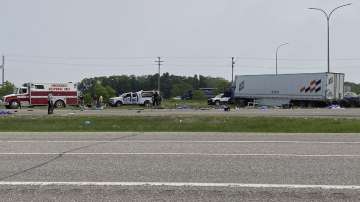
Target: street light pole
x,y
232,69
276,56
328,17
3,70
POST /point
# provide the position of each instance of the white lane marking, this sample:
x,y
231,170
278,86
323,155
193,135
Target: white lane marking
x,y
182,154
181,184
171,141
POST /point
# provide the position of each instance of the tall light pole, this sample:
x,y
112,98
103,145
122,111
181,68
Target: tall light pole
x,y
232,69
3,70
276,56
328,16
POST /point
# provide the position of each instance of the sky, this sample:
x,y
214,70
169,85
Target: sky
x,y
68,40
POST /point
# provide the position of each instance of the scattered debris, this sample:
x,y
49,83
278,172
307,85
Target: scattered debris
x,y
5,112
183,106
226,108
335,107
263,108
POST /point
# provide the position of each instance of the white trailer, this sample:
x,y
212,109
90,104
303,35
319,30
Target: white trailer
x,y
307,89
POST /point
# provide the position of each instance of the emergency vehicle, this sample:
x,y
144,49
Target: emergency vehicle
x,y
36,94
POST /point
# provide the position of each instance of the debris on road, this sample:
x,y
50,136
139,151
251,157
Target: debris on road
x,y
335,107
5,112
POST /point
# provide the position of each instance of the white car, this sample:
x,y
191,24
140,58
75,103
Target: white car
x,y
219,99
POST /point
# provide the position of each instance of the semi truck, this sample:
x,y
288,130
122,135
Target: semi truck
x,y
305,90
36,94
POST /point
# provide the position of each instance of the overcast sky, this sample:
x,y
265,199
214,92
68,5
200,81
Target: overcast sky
x,y
68,40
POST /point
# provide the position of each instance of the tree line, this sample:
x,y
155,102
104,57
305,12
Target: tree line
x,y
6,89
170,85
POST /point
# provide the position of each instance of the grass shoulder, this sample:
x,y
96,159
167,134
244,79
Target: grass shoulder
x,y
178,123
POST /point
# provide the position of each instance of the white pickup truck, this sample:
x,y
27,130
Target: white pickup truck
x,y
219,99
132,98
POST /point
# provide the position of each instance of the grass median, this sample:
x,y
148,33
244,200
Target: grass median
x,y
179,123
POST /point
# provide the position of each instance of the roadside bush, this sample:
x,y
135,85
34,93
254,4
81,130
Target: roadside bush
x,y
8,88
199,95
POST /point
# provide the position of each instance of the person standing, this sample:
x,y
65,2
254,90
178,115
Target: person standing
x,y
50,104
82,103
156,98
94,101
153,99
101,99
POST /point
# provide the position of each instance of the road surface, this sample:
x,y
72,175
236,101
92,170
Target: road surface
x,y
179,167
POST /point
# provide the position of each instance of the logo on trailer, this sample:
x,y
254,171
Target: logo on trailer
x,y
241,85
314,86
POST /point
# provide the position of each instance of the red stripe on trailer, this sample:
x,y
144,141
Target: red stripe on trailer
x,y
46,93
72,101
39,101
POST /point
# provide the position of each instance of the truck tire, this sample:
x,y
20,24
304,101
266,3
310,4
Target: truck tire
x,y
217,103
118,104
59,104
13,104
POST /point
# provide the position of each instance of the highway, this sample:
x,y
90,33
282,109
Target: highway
x,y
179,167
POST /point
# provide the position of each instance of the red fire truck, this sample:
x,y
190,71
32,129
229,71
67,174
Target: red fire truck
x,y
36,94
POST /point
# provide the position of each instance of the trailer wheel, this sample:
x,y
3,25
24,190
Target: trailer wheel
x,y
59,104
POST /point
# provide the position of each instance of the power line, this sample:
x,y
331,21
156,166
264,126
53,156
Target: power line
x,y
210,58
74,64
76,58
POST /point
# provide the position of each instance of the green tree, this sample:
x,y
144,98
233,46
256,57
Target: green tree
x,y
6,89
180,89
199,95
171,85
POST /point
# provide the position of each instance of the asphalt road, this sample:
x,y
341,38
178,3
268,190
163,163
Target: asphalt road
x,y
179,167
316,112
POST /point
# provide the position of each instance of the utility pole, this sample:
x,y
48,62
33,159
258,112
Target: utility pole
x,y
159,63
232,69
3,70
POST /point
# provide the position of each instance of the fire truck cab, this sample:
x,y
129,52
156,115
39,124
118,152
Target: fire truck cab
x,y
36,94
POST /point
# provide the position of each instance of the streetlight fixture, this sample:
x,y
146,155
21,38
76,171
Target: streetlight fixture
x,y
328,16
276,56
